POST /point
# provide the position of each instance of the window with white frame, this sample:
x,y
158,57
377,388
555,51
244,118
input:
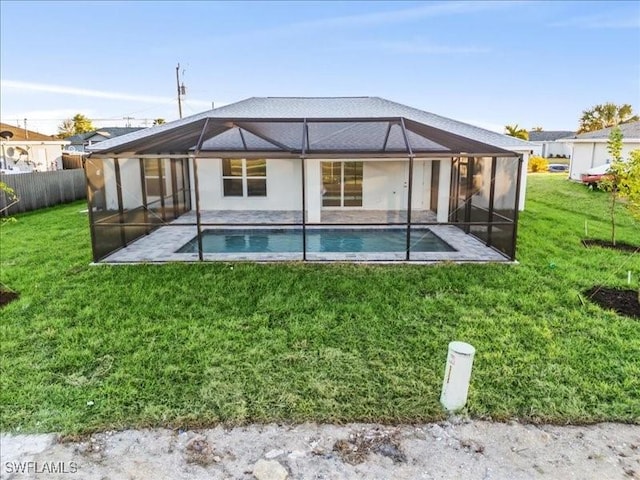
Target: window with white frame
x,y
244,178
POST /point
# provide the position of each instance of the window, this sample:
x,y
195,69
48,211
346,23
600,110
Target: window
x,y
342,184
244,178
153,175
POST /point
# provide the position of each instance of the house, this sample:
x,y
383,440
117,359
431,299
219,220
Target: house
x,y
546,144
320,179
24,150
589,150
79,142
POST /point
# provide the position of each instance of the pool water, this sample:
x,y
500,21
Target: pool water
x,y
318,240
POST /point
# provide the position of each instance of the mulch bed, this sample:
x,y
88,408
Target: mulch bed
x,y
625,302
7,297
595,242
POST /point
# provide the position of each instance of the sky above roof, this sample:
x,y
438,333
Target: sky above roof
x,y
485,63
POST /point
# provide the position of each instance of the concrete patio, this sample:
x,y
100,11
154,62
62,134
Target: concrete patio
x,y
162,244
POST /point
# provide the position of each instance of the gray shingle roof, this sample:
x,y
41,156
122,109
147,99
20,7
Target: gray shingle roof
x,y
549,135
347,108
629,130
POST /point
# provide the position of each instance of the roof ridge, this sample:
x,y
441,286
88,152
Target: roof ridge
x,y
318,97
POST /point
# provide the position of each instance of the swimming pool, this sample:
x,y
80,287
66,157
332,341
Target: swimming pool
x,y
318,240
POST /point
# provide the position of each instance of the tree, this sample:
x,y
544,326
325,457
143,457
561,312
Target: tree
x,y
537,129
606,115
159,121
632,175
515,131
12,199
621,178
73,126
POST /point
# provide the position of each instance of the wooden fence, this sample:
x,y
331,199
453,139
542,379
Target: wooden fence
x,y
69,162
43,189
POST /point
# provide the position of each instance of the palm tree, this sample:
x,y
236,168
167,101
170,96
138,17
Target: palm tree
x,y
606,115
516,131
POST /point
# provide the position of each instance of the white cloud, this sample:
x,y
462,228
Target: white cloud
x,y
85,92
417,47
617,20
405,15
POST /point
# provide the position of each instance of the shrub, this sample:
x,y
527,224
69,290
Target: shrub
x,y
538,164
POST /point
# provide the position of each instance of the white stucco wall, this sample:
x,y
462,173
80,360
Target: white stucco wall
x,y
588,155
555,149
110,190
284,191
385,186
523,177
130,181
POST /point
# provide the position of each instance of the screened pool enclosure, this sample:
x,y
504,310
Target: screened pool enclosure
x,y
303,189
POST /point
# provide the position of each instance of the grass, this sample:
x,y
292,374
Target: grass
x,y
88,348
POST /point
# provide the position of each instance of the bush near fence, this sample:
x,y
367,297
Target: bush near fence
x,y
43,189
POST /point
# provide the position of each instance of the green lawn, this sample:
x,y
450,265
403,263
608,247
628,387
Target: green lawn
x,y
100,347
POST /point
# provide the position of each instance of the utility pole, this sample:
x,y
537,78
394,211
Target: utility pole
x,y
181,90
128,119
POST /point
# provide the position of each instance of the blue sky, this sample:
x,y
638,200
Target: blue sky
x,y
486,63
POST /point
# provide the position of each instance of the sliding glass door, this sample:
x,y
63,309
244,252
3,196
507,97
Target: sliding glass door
x,y
342,184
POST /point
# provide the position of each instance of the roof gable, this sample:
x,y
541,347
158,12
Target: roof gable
x,y
629,130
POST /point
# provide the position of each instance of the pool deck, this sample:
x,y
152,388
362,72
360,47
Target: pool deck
x,y
161,244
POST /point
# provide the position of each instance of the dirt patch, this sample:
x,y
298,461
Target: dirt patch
x,y
622,246
624,302
357,448
7,297
452,449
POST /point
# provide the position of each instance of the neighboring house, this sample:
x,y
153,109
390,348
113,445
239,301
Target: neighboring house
x,y
358,178
28,151
589,149
78,143
546,144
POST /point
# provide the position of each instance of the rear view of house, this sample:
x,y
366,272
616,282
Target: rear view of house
x,y
321,179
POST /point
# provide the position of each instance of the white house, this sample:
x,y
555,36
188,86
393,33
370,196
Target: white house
x,y
589,150
546,143
309,166
28,151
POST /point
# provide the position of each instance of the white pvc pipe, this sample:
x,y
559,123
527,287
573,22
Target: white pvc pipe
x,y
457,374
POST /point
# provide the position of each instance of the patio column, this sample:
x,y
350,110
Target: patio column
x,y
444,191
313,189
